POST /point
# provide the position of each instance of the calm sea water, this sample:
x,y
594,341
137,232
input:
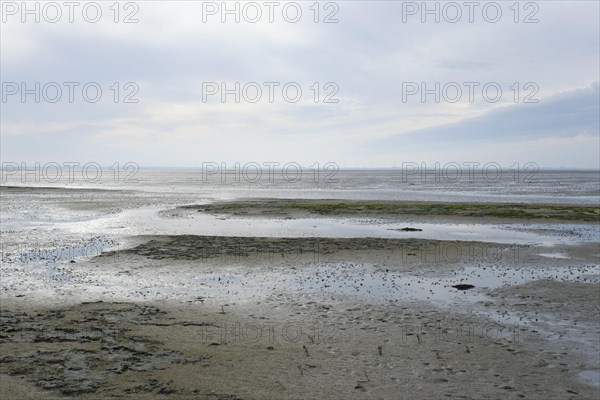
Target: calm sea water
x,y
253,180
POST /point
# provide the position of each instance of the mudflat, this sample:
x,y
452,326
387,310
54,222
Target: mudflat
x,y
297,207
249,317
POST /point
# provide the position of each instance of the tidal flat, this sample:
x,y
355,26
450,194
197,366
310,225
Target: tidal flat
x,y
296,207
297,299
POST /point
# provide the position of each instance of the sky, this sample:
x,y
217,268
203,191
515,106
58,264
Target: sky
x,y
368,84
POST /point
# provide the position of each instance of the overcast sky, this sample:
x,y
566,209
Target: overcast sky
x,y
374,61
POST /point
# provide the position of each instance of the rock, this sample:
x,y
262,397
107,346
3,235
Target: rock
x,y
166,390
463,286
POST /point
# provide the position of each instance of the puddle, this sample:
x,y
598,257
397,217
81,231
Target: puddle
x,y
561,256
590,377
151,221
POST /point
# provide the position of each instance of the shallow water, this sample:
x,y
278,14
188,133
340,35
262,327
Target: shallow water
x,y
508,185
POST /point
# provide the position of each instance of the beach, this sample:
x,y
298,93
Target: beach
x,y
299,200
160,297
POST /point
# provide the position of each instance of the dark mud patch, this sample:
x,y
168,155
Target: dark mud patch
x,y
296,207
193,247
95,349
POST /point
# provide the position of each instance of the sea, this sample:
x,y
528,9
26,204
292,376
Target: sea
x,y
454,183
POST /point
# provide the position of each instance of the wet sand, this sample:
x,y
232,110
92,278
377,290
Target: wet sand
x,y
209,317
280,349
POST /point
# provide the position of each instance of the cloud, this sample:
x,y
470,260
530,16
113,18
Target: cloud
x,y
369,54
565,114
